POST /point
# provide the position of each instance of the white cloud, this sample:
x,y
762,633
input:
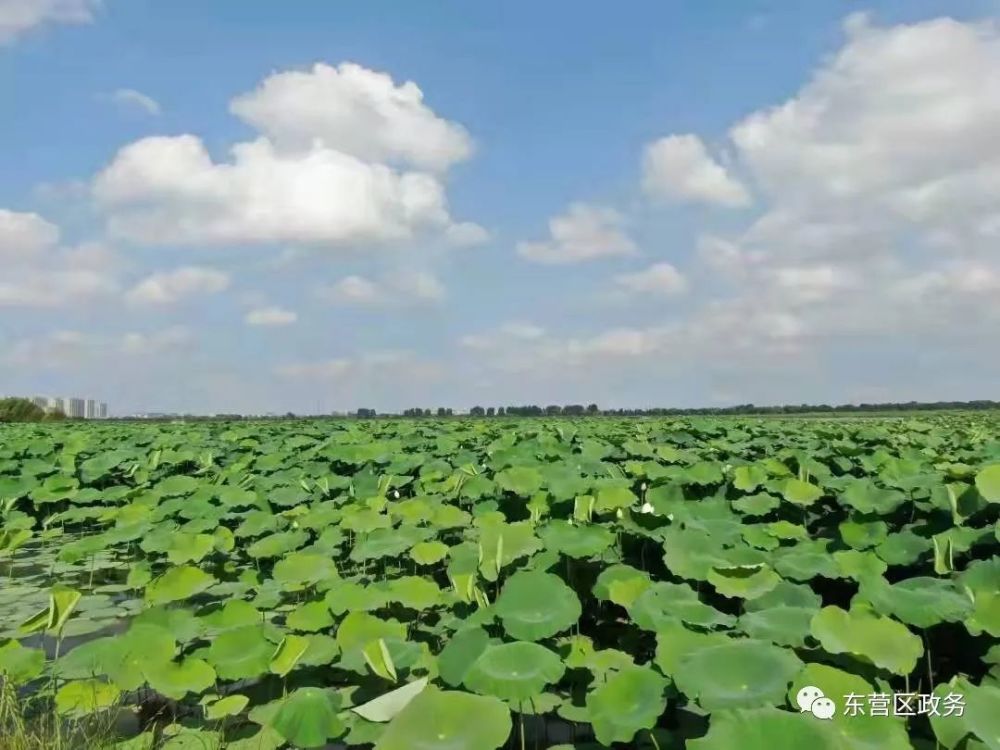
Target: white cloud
x,y
355,111
20,16
396,289
679,168
345,158
363,369
583,233
168,287
271,316
506,335
24,236
659,278
156,342
168,190
37,272
136,100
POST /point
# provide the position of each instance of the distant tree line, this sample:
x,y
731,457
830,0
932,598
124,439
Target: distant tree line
x,y
23,410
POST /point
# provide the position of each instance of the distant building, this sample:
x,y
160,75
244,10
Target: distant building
x,y
41,402
91,409
102,411
77,408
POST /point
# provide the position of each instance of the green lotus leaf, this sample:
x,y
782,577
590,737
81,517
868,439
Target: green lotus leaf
x,y
978,717
784,626
865,497
276,545
674,642
786,594
979,581
743,581
322,650
629,701
177,584
534,605
428,553
663,604
921,601
387,706
82,697
447,720
804,562
756,505
309,617
228,706
348,596
19,664
291,649
856,730
766,729
242,653
514,671
636,579
234,614
459,654
500,544
741,674
307,717
862,535
175,680
748,478
576,540
904,548
988,483
62,601
304,568
189,547
182,624
801,493
521,480
614,498
860,632
691,554
859,565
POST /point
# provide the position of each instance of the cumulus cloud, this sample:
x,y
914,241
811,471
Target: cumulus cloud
x,y
354,110
679,168
659,279
168,287
585,232
18,17
345,158
132,99
270,316
395,289
39,272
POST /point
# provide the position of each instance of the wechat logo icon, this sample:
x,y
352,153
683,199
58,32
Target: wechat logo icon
x,y
811,699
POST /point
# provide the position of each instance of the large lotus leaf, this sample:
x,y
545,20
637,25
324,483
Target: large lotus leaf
x,y
385,707
289,652
576,540
920,601
743,581
82,697
692,553
766,729
349,596
242,653
500,544
177,584
382,543
446,720
613,498
428,553
662,604
621,580
358,630
785,626
413,592
904,548
866,497
514,671
234,614
303,568
276,545
741,674
630,700
988,483
460,653
580,654
322,650
980,580
175,680
759,504
521,480
185,547
182,624
859,566
307,717
858,731
534,605
979,715
748,478
675,642
801,493
19,664
860,632
309,617
786,594
804,562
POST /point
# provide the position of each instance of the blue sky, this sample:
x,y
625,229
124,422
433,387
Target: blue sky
x,y
666,204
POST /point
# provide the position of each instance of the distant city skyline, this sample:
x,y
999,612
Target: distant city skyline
x,y
71,406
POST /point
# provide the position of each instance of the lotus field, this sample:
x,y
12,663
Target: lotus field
x,y
478,584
